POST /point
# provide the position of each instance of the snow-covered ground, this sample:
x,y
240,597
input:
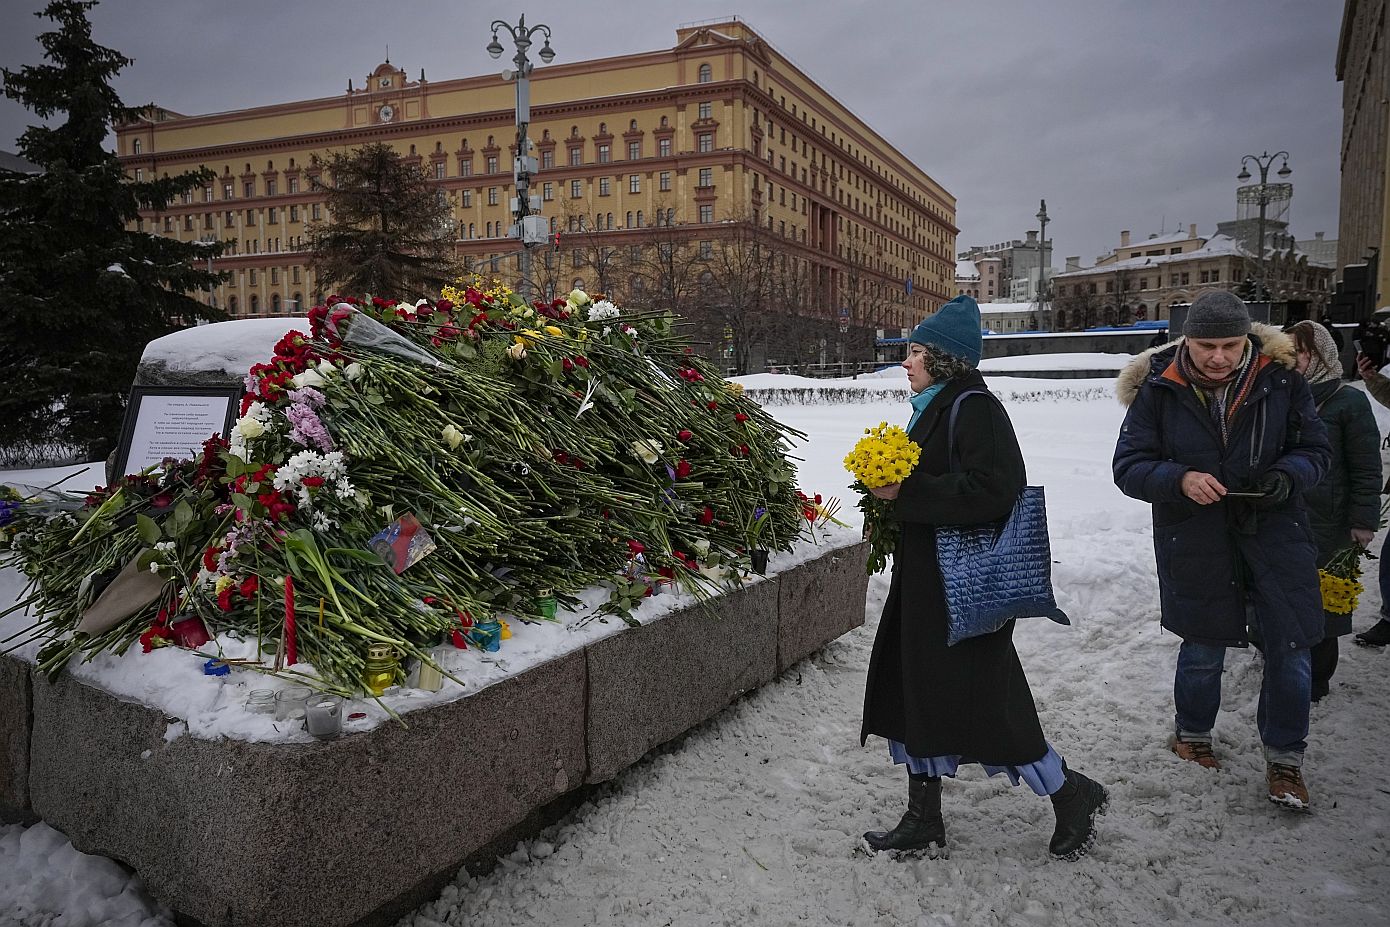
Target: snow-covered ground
x,y
753,818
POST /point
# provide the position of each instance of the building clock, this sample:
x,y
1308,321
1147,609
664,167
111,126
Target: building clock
x,y
384,81
386,113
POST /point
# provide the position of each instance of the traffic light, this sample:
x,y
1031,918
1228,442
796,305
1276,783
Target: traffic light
x,y
556,240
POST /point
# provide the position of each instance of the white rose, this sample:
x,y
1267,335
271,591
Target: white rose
x,y
701,547
517,351
578,297
307,378
453,437
249,428
649,451
326,368
353,370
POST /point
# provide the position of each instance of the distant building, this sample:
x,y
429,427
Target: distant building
x,y
1363,67
1140,281
1003,318
718,133
1320,249
968,279
1018,260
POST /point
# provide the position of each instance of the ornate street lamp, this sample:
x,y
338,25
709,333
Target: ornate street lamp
x,y
529,228
1263,194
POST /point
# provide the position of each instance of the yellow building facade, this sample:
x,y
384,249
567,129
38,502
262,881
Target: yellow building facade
x,y
715,132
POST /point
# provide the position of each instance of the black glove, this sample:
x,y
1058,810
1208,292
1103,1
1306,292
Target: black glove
x,y
1276,486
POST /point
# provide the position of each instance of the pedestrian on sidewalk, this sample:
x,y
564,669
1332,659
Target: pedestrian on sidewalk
x,y
1222,437
941,706
1344,509
1378,635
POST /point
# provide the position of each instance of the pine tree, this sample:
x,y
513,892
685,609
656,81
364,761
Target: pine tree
x,y
81,291
388,229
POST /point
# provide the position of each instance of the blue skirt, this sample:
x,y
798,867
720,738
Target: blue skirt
x,y
1043,776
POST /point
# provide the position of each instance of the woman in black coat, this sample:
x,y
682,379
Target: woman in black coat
x,y
941,706
1344,509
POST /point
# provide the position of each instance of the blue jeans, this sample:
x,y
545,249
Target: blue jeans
x,y
1282,715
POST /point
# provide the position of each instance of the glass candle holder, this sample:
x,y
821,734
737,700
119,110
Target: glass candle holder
x,y
289,703
379,669
261,701
428,677
323,715
545,603
486,635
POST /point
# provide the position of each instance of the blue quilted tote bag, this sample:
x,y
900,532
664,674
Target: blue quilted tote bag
x,y
996,571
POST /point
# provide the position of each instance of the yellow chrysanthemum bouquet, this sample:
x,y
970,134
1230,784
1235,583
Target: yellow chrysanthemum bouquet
x,y
884,456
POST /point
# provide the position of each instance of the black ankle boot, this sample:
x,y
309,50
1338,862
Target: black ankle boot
x,y
1377,636
1076,805
922,827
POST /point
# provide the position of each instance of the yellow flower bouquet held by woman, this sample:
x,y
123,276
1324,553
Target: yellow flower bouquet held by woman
x,y
1340,581
882,457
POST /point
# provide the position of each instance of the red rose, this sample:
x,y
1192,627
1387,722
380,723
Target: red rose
x,y
582,361
636,547
707,516
249,585
313,482
740,417
684,434
712,406
683,469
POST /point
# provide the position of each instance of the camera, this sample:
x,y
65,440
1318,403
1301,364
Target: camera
x,y
1371,339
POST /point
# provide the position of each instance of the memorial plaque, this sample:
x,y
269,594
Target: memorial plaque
x,y
172,421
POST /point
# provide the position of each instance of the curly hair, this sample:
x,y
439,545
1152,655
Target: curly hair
x,y
942,366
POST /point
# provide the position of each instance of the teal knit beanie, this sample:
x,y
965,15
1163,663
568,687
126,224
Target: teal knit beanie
x,y
954,329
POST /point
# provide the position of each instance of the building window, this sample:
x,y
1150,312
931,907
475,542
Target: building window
x,y
639,218
663,148
466,168
188,223
272,215
255,278
294,278
627,222
1185,278
704,142
706,250
576,156
292,185
664,181
248,189
467,198
227,191
255,298
604,153
634,150
547,192
315,212
1143,283
168,223
548,158
706,212
576,189
274,275
135,146
270,187
491,164
207,194
706,176
229,218
294,213
706,110
492,196
207,220
705,74
604,186
439,170
634,183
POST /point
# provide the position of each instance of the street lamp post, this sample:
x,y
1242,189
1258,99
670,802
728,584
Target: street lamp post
x,y
1042,265
1264,194
529,228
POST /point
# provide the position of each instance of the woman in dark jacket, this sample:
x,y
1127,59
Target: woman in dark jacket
x,y
941,706
1343,509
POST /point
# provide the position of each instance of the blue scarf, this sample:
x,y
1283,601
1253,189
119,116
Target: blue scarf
x,y
922,400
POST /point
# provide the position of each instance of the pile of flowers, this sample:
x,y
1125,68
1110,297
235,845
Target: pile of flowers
x,y
524,451
884,456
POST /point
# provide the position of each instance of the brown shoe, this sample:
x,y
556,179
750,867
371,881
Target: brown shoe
x,y
1197,751
1286,787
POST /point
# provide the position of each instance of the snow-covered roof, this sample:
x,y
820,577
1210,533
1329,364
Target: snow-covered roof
x,y
966,269
1004,308
1170,238
1216,246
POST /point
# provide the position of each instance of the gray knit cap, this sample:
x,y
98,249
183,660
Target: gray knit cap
x,y
1216,314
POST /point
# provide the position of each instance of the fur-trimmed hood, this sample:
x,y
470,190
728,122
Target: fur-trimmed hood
x,y
1273,343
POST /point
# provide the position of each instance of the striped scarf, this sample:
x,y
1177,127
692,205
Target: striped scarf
x,y
1221,398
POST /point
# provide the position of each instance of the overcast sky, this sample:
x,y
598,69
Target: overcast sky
x,y
1123,114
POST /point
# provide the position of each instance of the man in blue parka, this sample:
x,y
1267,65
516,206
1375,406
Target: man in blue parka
x,y
1222,438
